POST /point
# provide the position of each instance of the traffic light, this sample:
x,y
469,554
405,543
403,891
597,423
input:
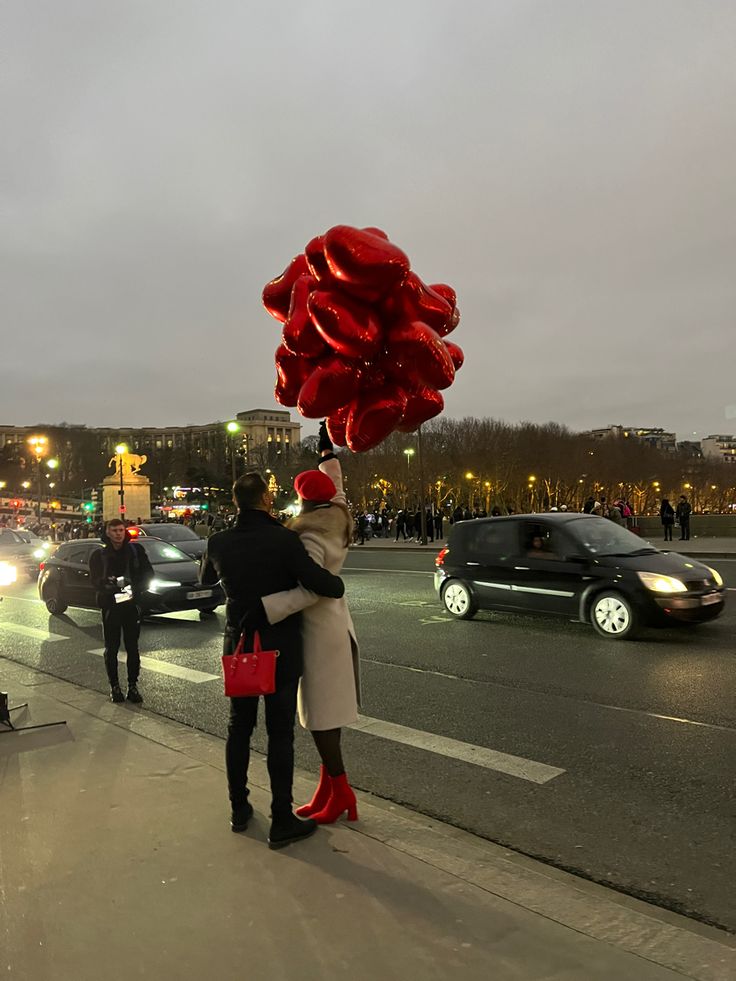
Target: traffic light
x,y
204,507
88,506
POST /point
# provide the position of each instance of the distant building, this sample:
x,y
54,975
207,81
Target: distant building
x,y
207,445
720,448
657,438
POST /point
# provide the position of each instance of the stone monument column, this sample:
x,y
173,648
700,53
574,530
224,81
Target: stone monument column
x,y
135,488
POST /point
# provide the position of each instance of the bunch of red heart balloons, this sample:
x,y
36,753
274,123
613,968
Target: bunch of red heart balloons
x,y
363,337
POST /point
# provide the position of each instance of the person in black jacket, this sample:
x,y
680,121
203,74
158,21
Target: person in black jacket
x,y
683,512
667,517
120,572
256,557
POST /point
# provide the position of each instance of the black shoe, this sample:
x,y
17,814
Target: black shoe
x,y
289,828
116,694
240,817
134,695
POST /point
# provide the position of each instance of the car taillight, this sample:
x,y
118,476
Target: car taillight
x,y
41,566
134,532
440,560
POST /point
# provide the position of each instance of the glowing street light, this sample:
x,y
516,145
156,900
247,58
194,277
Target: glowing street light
x,y
233,428
39,447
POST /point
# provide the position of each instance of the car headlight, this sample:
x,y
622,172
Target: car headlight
x,y
8,574
659,583
717,577
40,553
159,584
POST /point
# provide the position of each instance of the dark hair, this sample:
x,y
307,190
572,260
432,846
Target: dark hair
x,y
114,522
248,491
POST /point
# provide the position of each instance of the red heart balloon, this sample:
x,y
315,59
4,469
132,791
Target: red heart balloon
x,y
328,388
347,326
277,293
424,403
300,335
456,353
373,415
447,293
315,256
291,373
376,231
419,350
362,259
416,301
337,424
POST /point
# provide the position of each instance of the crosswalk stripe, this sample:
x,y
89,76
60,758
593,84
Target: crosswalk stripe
x,y
490,759
17,628
165,667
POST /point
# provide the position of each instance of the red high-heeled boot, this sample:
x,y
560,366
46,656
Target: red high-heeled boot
x,y
341,799
321,795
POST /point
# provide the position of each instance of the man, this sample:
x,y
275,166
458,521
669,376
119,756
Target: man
x,y
256,557
683,512
120,572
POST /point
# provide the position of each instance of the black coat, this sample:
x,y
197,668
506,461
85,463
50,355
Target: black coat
x,y
257,557
107,563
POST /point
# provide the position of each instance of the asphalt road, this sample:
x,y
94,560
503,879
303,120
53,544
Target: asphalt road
x,y
642,734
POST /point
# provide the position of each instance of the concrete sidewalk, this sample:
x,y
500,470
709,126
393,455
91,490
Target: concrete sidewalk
x,y
117,862
706,548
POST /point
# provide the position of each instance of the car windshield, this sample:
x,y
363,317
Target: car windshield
x,y
28,537
172,533
160,552
603,537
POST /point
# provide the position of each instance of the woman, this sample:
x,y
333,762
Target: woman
x,y
667,517
329,689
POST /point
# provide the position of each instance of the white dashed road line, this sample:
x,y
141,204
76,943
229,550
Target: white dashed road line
x,y
165,667
489,759
17,628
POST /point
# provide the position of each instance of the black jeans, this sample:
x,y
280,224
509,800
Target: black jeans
x,y
685,531
122,618
668,532
280,717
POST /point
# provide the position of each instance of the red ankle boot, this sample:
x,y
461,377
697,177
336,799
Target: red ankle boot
x,y
341,799
321,795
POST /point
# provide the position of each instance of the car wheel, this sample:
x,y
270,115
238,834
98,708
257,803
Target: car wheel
x,y
207,612
613,616
458,600
55,604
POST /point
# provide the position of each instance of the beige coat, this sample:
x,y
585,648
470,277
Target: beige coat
x,y
329,690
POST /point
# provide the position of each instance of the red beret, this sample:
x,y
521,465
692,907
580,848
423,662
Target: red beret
x,y
313,485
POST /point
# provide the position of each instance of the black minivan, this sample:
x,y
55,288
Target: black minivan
x,y
576,565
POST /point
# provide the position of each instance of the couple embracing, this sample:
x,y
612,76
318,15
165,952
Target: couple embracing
x,y
284,582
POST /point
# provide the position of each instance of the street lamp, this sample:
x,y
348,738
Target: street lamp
x,y
121,449
39,446
233,429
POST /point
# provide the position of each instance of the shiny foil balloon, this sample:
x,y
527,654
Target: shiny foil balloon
x,y
329,387
350,328
361,259
337,426
373,415
422,354
424,403
300,335
362,337
277,293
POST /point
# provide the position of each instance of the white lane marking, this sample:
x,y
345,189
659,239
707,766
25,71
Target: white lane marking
x,y
543,694
489,759
16,628
165,667
398,572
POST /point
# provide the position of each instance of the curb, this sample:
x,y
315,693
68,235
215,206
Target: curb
x,y
604,915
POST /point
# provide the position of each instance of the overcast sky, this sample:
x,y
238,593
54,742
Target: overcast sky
x,y
568,165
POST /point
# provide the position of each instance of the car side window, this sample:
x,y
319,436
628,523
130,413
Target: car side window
x,y
7,537
79,556
493,540
540,541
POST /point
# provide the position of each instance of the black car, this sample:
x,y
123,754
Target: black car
x,y
64,580
579,566
174,533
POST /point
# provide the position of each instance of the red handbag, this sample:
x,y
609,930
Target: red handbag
x,y
249,673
